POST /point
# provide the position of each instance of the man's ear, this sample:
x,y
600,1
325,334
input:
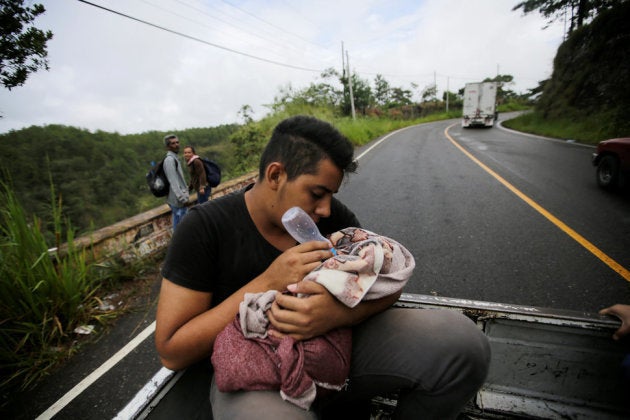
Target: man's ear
x,y
274,174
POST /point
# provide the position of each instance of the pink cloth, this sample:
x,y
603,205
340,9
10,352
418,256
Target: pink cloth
x,y
192,158
367,266
296,368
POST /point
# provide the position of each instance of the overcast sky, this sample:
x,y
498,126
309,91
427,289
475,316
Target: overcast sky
x,y
109,72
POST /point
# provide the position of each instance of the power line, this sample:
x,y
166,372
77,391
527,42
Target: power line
x,y
201,40
270,24
319,71
228,23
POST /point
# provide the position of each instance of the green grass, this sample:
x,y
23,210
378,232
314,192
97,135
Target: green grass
x,y
360,131
365,129
584,129
45,295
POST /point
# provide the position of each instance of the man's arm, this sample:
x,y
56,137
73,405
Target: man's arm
x,y
186,326
182,334
320,312
170,170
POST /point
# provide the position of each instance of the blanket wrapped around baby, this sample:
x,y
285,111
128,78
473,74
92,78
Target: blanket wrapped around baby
x,y
367,266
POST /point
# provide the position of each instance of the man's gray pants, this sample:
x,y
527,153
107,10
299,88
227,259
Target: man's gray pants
x,y
434,359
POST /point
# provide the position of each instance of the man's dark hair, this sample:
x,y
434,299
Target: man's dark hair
x,y
301,142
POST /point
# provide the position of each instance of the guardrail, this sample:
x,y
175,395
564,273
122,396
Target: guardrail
x,y
146,233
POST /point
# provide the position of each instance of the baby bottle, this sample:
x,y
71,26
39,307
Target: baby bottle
x,y
303,229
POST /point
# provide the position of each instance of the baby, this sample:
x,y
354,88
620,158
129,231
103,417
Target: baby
x,y
367,266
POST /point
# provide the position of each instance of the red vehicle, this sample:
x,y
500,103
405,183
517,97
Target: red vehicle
x,y
612,160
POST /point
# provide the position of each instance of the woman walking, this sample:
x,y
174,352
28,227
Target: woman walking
x,y
198,178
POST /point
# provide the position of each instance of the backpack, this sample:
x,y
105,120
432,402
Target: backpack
x,y
213,172
157,180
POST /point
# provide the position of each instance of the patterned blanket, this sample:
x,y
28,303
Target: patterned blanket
x,y
367,266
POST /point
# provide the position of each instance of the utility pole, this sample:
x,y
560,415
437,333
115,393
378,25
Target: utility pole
x,y
343,61
447,95
354,117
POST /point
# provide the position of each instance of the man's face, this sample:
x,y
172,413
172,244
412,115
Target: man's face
x,y
173,144
313,193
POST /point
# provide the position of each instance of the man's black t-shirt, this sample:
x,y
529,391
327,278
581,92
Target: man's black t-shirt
x,y
217,248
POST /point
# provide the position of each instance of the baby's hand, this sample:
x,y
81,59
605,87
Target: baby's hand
x,y
304,317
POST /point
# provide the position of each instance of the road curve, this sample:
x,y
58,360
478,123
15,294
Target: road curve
x,y
475,238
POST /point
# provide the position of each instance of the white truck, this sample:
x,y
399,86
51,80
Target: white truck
x,y
480,104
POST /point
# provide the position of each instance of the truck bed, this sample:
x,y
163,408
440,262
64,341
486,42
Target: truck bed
x,y
545,363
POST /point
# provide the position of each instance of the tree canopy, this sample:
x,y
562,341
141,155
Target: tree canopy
x,y
579,12
23,48
590,74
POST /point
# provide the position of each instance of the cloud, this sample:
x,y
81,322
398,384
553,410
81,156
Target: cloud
x,y
108,72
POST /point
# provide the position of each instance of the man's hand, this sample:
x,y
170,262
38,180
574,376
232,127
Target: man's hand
x,y
306,317
295,263
623,313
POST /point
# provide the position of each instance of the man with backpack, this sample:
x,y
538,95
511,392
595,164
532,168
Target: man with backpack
x,y
178,189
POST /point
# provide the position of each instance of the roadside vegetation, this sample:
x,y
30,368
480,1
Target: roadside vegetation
x,y
588,130
49,299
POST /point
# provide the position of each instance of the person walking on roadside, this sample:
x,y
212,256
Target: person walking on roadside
x,y
178,190
198,178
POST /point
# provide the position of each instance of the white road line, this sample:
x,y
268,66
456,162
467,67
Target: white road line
x,y
365,152
94,376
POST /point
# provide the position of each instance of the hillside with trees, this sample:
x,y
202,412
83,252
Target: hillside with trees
x,y
100,176
591,77
588,94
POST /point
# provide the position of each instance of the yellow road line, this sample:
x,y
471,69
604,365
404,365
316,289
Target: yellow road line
x,y
623,272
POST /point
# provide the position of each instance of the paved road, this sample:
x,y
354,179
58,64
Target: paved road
x,y
475,238
430,188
